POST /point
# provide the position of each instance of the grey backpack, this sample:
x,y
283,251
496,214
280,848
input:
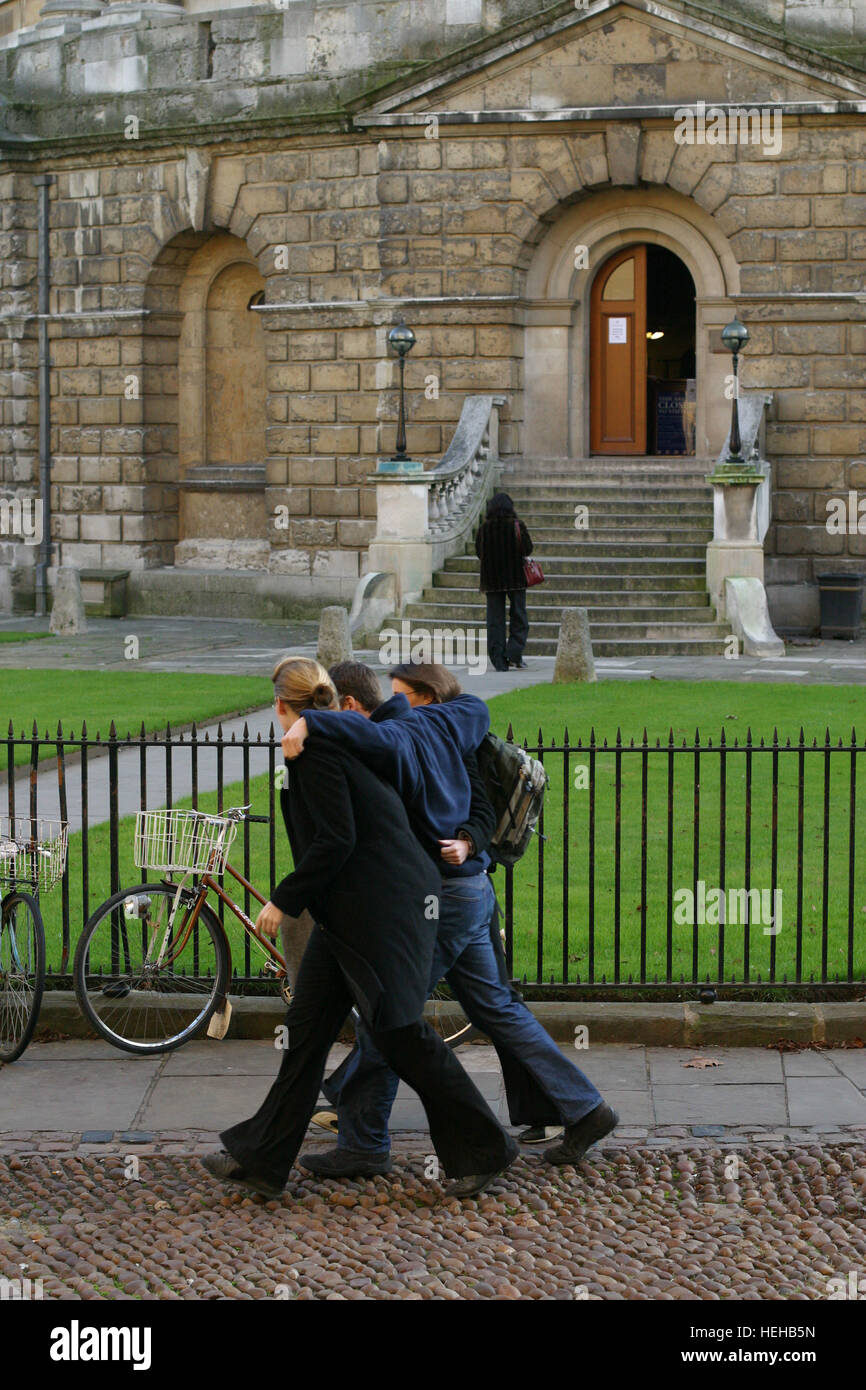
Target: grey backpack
x,y
516,784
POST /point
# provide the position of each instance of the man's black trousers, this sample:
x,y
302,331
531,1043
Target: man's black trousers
x,y
463,1129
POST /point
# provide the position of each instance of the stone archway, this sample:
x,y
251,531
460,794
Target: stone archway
x,y
204,387
558,286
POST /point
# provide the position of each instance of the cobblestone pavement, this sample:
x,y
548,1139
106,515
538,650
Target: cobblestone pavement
x,y
680,1220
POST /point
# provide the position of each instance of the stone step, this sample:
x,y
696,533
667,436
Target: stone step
x,y
567,584
633,499
601,564
612,536
553,513
615,548
517,464
547,595
472,613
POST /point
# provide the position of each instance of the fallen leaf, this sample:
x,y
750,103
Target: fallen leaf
x,y
702,1062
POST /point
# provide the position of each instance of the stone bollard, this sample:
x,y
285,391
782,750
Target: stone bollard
x,y
574,660
67,608
335,643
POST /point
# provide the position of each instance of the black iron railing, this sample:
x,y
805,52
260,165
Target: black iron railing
x,y
659,865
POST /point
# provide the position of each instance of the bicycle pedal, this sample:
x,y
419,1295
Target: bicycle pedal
x,y
286,994
219,1022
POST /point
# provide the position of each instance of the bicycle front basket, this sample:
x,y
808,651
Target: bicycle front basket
x,y
182,841
32,851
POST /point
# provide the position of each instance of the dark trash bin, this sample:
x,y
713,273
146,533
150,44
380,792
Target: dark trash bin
x,y
841,604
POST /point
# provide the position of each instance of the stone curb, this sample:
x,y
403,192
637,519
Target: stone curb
x,y
723,1024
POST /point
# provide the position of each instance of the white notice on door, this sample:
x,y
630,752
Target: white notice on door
x,y
616,331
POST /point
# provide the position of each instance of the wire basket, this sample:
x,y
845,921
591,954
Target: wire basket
x,y
32,851
182,841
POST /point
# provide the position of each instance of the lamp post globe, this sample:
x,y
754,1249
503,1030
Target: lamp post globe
x,y
402,340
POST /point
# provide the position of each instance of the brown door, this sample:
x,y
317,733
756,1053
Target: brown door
x,y
618,355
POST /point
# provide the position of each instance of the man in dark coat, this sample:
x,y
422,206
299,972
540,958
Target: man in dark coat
x,y
369,885
421,751
501,543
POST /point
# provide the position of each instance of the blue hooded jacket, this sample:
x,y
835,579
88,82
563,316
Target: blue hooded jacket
x,y
419,751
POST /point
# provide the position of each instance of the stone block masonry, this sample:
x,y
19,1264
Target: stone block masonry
x,y
244,202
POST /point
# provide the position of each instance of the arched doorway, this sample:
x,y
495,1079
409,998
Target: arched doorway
x,y
643,385
563,268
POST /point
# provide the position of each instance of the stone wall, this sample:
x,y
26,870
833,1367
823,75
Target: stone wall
x,y
348,214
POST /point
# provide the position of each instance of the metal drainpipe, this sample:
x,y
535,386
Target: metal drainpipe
x,y
43,183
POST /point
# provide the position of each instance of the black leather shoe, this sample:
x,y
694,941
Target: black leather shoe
x,y
226,1169
579,1137
476,1182
346,1163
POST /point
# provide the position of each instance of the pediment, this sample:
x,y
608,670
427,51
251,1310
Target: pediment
x,y
629,53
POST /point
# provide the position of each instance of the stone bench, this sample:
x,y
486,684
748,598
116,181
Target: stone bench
x,y
104,592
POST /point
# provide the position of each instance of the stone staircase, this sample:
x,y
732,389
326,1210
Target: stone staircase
x,y
639,567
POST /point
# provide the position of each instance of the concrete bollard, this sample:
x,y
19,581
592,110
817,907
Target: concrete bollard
x,y
335,642
574,659
67,608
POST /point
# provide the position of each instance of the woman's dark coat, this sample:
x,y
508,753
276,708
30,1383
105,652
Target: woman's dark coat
x,y
364,878
501,553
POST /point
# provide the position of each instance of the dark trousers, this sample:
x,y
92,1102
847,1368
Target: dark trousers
x,y
499,649
463,1129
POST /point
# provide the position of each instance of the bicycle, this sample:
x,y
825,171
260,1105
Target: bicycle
x,y
33,853
153,963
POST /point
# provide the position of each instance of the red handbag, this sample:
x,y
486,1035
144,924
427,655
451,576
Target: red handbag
x,y
531,568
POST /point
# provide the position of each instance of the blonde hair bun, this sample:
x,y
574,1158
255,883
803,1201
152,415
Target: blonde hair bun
x,y
304,684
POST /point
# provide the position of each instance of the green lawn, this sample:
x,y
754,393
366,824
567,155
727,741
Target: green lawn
x,y
564,896
130,698
22,636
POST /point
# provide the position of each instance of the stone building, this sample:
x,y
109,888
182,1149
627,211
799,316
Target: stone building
x,y
235,205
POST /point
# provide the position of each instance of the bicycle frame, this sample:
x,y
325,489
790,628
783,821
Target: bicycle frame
x,y
209,884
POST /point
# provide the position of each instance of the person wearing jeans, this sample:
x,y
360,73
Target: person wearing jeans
x,y
406,745
366,881
464,955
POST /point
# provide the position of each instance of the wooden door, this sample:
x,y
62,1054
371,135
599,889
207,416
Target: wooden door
x,y
618,355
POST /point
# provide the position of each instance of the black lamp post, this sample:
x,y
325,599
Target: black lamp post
x,y
402,340
735,335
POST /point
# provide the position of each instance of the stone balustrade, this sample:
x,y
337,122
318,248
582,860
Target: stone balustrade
x,y
423,516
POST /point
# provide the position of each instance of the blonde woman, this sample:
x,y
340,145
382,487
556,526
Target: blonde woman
x,y
371,889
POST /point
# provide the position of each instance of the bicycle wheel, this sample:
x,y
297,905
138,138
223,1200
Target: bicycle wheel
x,y
22,972
448,1019
143,986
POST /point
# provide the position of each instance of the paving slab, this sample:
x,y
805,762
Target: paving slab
x,y
759,1104
851,1064
249,1058
825,1100
667,1066
634,1108
808,1064
75,1095
177,1104
611,1064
